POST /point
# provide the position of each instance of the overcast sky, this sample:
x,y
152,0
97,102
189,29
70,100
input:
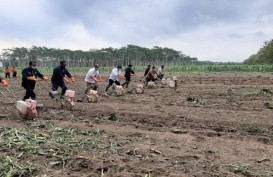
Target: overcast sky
x,y
215,30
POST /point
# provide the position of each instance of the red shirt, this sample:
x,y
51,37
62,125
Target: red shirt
x,y
13,70
151,74
7,70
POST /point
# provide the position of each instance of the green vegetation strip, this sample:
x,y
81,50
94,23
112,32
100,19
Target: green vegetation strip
x,y
171,69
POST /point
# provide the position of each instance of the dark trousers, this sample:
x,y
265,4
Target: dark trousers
x,y
149,79
126,83
29,92
55,87
14,74
90,86
7,75
111,82
160,76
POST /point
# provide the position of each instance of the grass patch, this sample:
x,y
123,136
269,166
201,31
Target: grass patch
x,y
253,128
259,92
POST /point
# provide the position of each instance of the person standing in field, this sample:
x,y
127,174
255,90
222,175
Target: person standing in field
x,y
14,72
4,82
7,73
58,78
160,72
114,77
128,73
29,80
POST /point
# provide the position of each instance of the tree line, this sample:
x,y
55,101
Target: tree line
x,y
107,57
263,57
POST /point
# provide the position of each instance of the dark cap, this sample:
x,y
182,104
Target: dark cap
x,y
130,65
119,66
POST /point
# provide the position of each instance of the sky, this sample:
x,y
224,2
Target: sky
x,y
210,30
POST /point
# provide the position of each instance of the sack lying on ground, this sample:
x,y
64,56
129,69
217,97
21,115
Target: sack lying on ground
x,y
139,89
171,84
163,81
151,85
68,103
119,90
92,96
27,109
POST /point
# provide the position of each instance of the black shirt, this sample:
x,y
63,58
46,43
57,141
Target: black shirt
x,y
128,72
30,72
146,71
59,74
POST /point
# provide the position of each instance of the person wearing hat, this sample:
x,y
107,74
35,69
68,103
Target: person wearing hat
x,y
115,77
128,73
151,76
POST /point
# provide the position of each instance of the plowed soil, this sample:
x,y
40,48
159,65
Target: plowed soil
x,y
214,124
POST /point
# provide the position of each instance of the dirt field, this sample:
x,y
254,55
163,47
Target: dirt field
x,y
215,124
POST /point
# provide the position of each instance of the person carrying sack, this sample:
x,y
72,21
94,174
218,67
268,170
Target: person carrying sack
x,y
115,77
58,78
29,76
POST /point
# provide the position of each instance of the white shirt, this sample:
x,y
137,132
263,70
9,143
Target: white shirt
x,y
91,73
114,74
160,71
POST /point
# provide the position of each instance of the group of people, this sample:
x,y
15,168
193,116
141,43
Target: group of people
x,y
31,73
92,78
58,79
7,72
152,75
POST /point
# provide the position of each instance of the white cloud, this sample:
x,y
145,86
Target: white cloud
x,y
226,30
215,43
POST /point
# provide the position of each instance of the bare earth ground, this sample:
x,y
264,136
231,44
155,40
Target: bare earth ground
x,y
215,124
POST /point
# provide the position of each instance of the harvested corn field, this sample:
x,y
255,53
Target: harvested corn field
x,y
213,124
